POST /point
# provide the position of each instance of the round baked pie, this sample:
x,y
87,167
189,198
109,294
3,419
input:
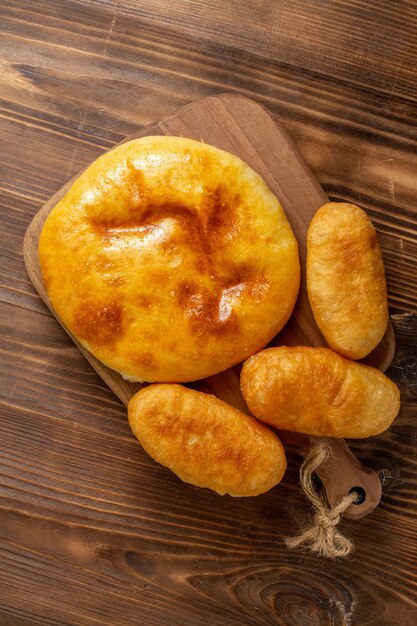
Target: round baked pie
x,y
170,260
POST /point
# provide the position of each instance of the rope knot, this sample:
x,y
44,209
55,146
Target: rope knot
x,y
326,519
322,538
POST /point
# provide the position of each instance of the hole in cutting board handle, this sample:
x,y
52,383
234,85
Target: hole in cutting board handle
x,y
361,495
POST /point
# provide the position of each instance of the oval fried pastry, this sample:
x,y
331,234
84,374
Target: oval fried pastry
x,y
205,441
317,392
170,260
346,279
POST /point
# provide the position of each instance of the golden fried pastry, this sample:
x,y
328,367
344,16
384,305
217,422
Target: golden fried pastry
x,y
317,392
170,260
346,279
205,441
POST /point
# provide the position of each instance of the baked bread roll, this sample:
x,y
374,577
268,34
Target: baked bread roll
x,y
205,441
346,279
317,392
170,260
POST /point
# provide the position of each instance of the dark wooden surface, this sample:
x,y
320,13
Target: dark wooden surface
x,y
91,530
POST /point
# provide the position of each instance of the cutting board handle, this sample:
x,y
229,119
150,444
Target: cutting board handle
x,y
342,474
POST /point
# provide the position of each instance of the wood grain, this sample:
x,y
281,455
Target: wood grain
x,y
82,536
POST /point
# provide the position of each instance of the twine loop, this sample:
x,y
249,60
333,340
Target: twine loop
x,y
323,537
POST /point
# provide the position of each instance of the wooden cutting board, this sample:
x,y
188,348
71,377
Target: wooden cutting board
x,y
246,129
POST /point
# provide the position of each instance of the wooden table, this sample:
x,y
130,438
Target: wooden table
x,y
92,531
